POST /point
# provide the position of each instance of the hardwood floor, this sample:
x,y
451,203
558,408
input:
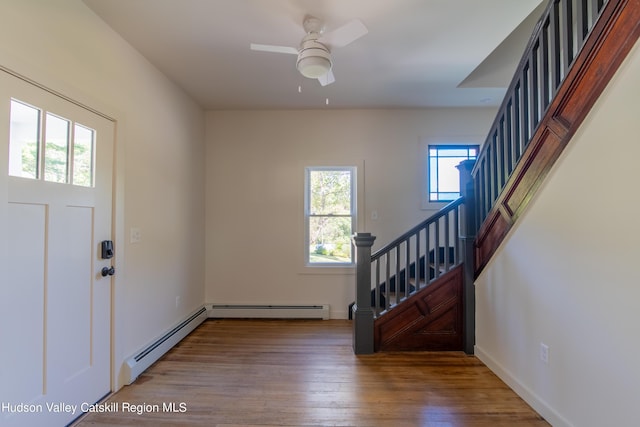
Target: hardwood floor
x,y
231,373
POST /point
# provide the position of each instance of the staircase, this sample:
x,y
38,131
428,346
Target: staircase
x,y
574,51
413,289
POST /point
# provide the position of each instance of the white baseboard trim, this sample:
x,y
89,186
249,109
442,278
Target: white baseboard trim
x,y
537,403
268,311
141,360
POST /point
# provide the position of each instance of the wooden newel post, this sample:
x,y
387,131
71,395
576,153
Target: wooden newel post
x,y
362,311
467,238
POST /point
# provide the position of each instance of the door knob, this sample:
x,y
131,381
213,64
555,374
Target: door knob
x,y
108,271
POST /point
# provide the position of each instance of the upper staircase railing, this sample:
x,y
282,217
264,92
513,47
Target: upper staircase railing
x,y
557,38
574,51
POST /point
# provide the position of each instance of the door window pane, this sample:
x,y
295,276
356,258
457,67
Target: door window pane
x,y
83,156
56,151
24,136
57,159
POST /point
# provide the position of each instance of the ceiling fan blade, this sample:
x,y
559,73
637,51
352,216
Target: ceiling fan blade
x,y
272,48
327,79
348,33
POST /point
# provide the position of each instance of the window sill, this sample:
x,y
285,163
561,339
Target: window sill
x,y
340,270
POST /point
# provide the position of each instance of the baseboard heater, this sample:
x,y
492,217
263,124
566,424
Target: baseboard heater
x,y
269,311
137,364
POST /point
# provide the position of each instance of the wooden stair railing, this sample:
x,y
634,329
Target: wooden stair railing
x,y
405,275
576,48
400,270
423,254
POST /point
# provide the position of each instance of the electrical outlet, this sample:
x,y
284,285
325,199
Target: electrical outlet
x,y
544,353
135,235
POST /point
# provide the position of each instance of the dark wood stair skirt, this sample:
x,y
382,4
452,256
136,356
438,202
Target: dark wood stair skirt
x,y
383,299
430,319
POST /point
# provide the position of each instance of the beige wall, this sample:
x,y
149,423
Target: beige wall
x,y
568,275
254,186
160,154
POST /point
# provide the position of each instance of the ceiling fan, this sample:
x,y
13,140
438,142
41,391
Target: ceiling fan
x,y
314,53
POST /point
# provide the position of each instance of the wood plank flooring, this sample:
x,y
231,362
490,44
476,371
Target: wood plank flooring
x,y
231,373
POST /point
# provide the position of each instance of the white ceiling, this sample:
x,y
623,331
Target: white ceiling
x,y
418,53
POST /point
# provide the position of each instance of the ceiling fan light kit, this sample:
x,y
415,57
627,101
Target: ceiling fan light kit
x,y
314,59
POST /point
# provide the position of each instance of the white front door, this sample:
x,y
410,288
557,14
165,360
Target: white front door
x,y
55,209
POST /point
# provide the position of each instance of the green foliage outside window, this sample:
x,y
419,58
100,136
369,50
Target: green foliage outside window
x,y
330,215
29,159
25,147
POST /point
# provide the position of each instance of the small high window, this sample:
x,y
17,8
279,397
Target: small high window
x,y
444,177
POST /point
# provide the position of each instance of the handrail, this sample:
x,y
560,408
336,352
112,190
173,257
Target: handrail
x,y
557,39
416,258
433,218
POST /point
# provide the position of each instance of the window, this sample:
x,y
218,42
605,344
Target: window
x,y
330,215
24,137
56,149
66,156
444,177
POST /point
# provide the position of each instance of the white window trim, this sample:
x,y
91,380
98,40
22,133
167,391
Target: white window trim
x,y
354,214
424,154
